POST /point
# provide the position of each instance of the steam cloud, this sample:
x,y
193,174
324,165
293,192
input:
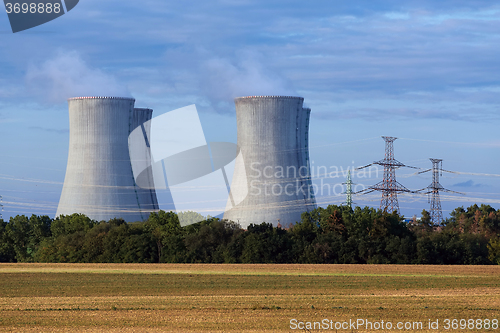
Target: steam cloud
x,y
223,79
67,75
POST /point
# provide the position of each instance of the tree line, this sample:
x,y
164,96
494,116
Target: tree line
x,y
331,235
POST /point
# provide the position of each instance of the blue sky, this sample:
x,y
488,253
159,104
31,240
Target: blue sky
x,y
423,71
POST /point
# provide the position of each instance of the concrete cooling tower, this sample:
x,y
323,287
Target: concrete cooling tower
x,y
99,180
274,169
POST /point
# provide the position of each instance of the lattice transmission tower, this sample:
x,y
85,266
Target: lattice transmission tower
x,y
389,186
348,190
433,190
1,207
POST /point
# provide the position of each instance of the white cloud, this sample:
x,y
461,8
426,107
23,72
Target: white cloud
x,y
68,75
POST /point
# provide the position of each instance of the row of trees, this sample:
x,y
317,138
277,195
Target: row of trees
x,y
325,235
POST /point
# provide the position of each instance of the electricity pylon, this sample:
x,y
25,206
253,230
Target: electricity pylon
x,y
348,191
389,186
434,188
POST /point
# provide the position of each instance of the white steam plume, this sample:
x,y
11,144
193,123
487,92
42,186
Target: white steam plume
x,y
68,75
224,80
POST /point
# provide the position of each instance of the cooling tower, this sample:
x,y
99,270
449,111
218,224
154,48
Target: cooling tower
x,y
146,191
304,146
274,169
99,180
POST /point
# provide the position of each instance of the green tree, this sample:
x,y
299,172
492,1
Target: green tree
x,y
63,249
25,234
302,236
168,235
69,224
137,246
265,244
18,230
494,250
207,241
7,252
423,226
67,240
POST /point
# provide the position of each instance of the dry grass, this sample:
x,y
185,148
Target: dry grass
x,y
236,298
255,269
